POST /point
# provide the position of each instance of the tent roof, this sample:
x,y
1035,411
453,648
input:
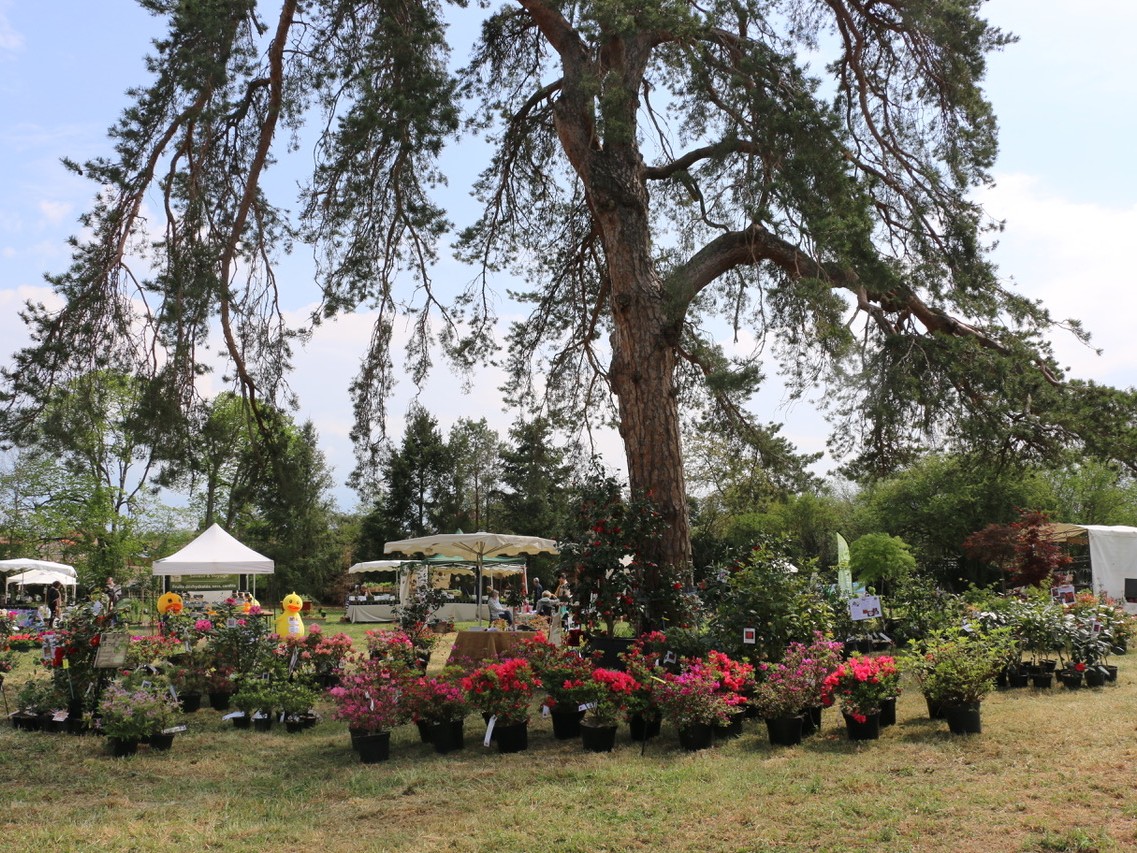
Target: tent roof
x,y
1060,531
214,552
23,564
44,576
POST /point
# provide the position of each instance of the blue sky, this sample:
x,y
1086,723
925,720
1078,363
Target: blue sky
x,y
1066,97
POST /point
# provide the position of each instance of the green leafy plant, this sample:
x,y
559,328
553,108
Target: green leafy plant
x,y
959,667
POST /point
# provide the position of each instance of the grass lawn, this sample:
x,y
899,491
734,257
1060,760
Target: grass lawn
x,y
1049,773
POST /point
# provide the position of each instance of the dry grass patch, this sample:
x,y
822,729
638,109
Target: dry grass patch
x,y
1050,772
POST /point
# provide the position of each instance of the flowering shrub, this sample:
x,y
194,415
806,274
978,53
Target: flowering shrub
x,y
393,648
796,683
562,671
608,588
503,689
328,654
861,684
130,714
370,698
436,698
696,696
607,692
642,662
151,648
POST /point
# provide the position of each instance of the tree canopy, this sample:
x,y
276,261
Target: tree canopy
x,y
660,174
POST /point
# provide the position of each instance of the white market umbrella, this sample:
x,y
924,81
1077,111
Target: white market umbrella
x,y
23,564
376,566
472,546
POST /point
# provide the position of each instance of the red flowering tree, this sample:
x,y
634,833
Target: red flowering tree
x,y
1022,550
613,580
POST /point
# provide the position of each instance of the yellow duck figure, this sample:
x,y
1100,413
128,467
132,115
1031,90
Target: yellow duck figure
x,y
289,623
170,602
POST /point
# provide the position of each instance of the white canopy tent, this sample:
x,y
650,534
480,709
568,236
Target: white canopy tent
x,y
40,576
214,552
23,564
1113,557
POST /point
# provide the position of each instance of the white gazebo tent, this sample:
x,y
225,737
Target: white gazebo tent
x,y
44,577
214,552
1113,557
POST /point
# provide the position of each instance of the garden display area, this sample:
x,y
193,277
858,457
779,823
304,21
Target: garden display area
x,y
283,762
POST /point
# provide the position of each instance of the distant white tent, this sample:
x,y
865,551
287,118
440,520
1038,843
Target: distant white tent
x,y
40,576
23,564
1113,555
214,552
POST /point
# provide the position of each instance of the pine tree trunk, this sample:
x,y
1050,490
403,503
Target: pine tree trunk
x,y
644,358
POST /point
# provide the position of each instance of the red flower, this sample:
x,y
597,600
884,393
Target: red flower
x,y
1080,667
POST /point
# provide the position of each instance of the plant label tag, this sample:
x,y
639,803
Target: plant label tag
x,y
489,730
545,712
586,706
234,715
750,636
669,658
59,716
231,622
260,715
292,661
266,676
175,730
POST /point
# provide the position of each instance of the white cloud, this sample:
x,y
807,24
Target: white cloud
x,y
55,211
1071,255
11,41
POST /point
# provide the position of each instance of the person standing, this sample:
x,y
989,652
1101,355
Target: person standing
x,y
537,590
114,593
54,603
563,593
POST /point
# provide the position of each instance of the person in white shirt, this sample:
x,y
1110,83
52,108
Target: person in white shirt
x,y
497,609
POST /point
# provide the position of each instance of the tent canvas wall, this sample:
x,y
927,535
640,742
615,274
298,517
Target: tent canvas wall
x,y
1113,555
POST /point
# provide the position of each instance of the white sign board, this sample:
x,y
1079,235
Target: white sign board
x,y
864,607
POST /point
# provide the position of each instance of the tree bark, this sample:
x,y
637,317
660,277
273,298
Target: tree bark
x,y
644,353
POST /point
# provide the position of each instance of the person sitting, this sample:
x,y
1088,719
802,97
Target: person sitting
x,y
546,604
498,610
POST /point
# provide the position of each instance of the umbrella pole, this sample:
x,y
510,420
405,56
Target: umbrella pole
x,y
478,590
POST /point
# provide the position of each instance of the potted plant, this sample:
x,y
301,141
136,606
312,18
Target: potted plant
x,y
219,686
956,669
564,674
607,693
693,701
861,685
130,714
642,662
328,654
503,692
439,703
255,699
369,699
736,682
295,699
190,681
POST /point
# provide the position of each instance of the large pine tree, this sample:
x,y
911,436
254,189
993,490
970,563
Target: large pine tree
x,y
663,171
